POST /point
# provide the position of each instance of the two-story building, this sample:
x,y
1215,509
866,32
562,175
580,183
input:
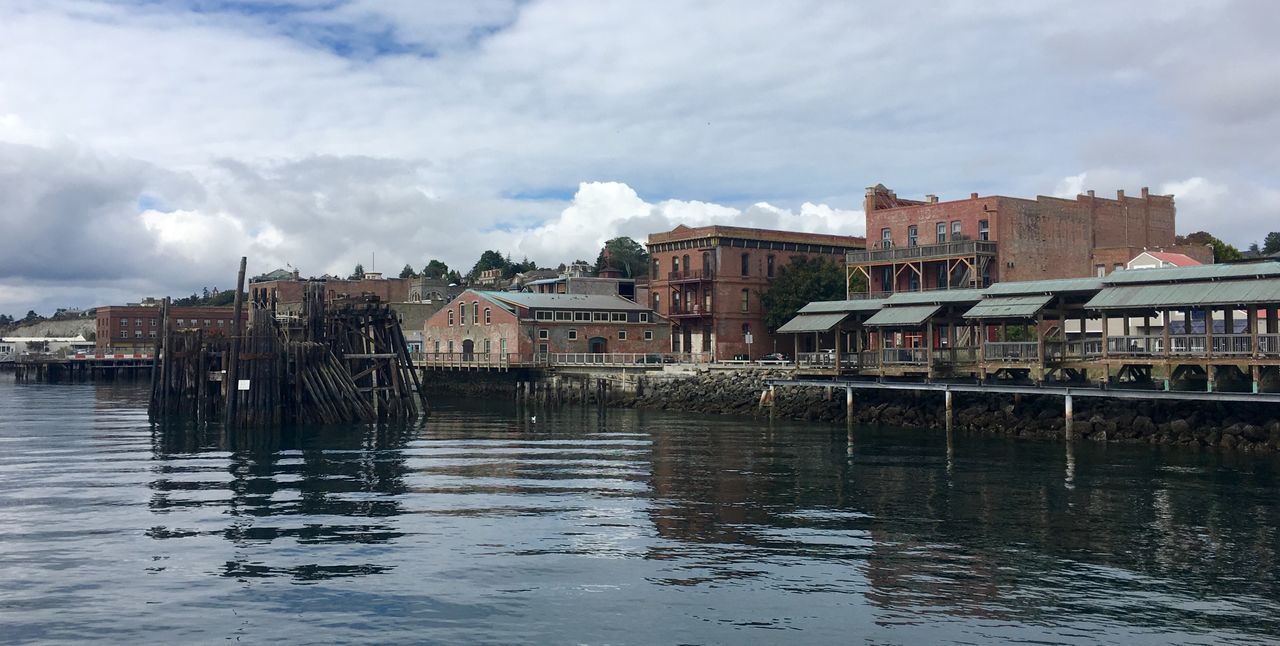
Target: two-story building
x,y
968,243
138,327
708,281
519,324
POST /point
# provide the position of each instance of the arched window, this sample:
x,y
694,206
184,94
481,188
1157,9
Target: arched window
x,y
475,312
487,317
462,313
450,317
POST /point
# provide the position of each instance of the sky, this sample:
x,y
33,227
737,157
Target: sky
x,y
146,145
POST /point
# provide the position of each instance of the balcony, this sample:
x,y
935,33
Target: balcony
x,y
691,312
690,276
923,252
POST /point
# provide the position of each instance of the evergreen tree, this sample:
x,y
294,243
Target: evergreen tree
x,y
358,273
624,254
802,281
1271,243
435,269
407,272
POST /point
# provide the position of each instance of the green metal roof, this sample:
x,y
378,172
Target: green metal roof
x,y
1232,292
907,316
1051,286
1194,273
812,323
566,301
855,305
935,297
1009,307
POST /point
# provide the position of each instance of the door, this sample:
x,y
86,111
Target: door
x,y
597,345
468,350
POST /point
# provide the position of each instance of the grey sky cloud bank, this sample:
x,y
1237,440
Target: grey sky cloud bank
x,y
145,146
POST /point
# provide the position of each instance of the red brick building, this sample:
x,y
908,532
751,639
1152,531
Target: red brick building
x,y
288,291
927,244
521,324
137,327
708,281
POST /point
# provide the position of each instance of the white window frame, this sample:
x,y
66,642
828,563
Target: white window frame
x,y
544,334
573,334
622,335
543,315
618,317
648,335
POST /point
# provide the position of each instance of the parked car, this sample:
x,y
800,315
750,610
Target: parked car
x,y
655,358
775,356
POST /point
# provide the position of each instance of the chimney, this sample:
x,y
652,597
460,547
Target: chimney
x,y
932,199
1120,195
973,196
1145,192
1089,192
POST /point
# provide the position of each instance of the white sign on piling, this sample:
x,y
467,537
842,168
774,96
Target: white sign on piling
x,y
242,384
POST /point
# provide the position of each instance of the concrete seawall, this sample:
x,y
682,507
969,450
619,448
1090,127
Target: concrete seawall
x,y
1250,427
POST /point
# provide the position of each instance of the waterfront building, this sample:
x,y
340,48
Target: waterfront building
x,y
708,281
137,327
972,243
287,292
516,325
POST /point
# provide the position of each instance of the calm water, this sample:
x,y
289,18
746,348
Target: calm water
x,y
480,526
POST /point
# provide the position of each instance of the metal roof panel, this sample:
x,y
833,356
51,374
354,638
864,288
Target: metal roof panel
x,y
1195,273
1051,286
1009,307
935,297
812,322
1200,294
907,316
855,305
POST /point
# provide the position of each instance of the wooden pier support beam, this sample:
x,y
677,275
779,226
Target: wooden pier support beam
x,y
233,358
1068,416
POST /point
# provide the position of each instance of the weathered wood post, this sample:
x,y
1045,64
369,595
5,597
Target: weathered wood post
x,y
950,416
848,404
233,358
1068,417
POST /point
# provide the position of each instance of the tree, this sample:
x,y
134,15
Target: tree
x,y
488,260
1254,250
407,272
31,317
1271,243
624,254
435,269
358,273
799,283
1222,252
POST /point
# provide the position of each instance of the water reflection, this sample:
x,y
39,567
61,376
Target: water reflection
x,y
335,485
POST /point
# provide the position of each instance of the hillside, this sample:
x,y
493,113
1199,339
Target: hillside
x,y
72,327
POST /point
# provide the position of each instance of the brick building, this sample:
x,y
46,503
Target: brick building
x,y
288,291
137,327
708,281
927,244
521,324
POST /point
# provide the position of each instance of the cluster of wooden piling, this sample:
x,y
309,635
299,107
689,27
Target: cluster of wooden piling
x,y
340,361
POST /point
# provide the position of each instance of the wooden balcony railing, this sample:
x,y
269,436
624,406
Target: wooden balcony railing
x,y
922,252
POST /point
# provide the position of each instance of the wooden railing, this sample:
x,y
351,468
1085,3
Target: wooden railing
x,y
922,252
899,356
700,274
1011,351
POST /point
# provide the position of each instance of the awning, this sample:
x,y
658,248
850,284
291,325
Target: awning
x,y
1176,295
1009,307
813,323
906,316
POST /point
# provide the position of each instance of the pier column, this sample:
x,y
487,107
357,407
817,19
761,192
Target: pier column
x,y
1068,418
950,417
773,404
848,404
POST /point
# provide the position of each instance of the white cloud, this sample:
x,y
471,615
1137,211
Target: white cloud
x,y
319,133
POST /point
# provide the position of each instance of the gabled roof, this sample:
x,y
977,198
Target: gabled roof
x,y
1203,293
1195,273
1009,307
566,301
855,305
936,296
813,322
908,316
1175,259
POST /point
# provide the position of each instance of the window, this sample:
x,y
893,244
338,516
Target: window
x,y
644,317
955,229
451,347
913,236
886,238
488,316
675,264
586,316
222,323
984,230
450,317
768,266
1100,270
437,346
153,322
564,316
126,321
462,313
1117,267
618,317
152,334
207,323
686,264
137,334
886,279
942,232
543,348
573,334
746,264
656,268
502,346
486,346
475,312
600,316
137,322
746,300
657,302
648,335
544,334
542,315
622,335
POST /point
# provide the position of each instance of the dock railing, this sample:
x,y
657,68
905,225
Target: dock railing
x,y
905,356
1011,351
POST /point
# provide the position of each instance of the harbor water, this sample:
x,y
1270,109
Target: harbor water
x,y
493,523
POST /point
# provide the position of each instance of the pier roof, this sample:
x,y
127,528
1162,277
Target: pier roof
x,y
1198,294
813,322
1009,307
1051,286
906,316
855,305
1195,273
937,296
